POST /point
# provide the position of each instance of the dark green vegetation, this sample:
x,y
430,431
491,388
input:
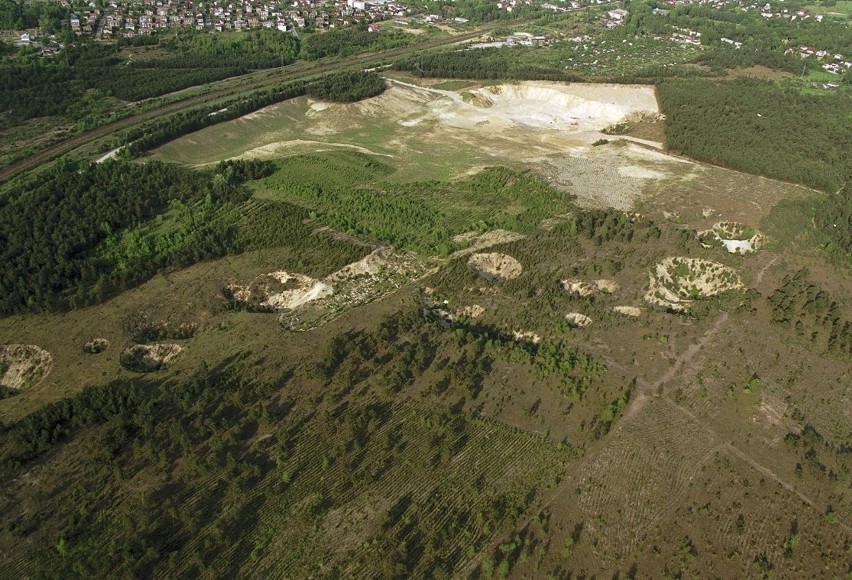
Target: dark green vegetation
x,y
339,87
802,305
346,87
348,41
757,127
487,63
36,87
236,469
48,16
346,190
75,236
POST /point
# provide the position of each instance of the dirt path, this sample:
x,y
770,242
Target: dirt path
x,y
759,276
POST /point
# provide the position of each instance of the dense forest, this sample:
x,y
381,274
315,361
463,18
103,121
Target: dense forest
x,y
758,127
482,63
38,87
833,216
800,304
349,41
346,87
52,227
20,15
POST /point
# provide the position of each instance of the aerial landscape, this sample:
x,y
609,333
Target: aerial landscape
x,y
464,289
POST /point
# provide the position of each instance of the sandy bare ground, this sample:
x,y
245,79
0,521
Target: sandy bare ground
x,y
583,289
147,358
495,266
480,242
381,272
631,311
577,320
25,365
279,290
547,125
278,149
96,345
676,282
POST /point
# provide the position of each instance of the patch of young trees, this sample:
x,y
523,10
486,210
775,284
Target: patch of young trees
x,y
803,306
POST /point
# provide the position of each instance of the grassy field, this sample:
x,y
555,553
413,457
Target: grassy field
x,y
842,8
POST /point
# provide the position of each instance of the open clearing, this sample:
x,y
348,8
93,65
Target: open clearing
x,y
549,127
443,134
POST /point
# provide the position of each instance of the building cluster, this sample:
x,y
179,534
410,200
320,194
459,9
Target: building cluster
x,y
143,17
834,63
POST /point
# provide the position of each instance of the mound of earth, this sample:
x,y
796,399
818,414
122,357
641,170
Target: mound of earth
x,y
23,366
479,242
278,291
372,264
477,99
577,287
606,286
495,266
147,358
577,320
583,289
676,282
628,311
96,345
526,336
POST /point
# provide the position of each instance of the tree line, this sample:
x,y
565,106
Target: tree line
x,y
480,63
338,87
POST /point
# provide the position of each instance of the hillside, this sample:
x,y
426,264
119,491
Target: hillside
x,y
450,330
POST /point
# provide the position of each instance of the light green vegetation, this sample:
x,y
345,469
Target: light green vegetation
x,y
300,126
351,192
841,8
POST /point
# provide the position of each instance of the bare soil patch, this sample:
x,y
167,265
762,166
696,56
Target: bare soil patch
x,y
23,366
472,311
583,289
676,282
737,238
495,266
631,311
277,291
482,241
577,320
96,345
379,273
147,358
